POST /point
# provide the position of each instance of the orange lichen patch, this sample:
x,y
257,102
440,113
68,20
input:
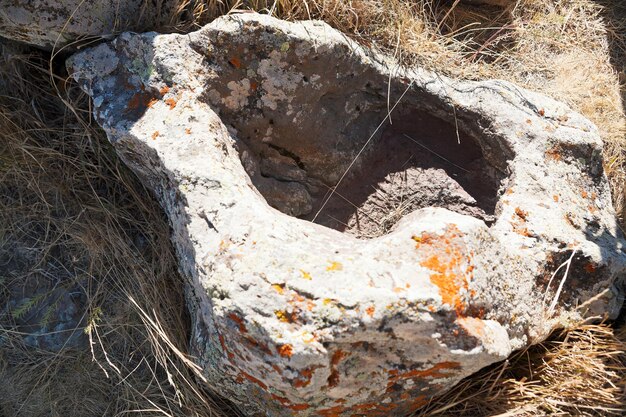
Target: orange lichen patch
x,y
335,411
221,338
298,303
188,131
152,102
396,376
285,316
282,316
399,290
235,62
594,195
285,350
592,209
522,231
253,380
229,354
164,90
529,122
239,321
424,239
584,194
509,191
449,284
155,135
254,85
555,198
445,256
521,213
370,311
334,266
338,356
590,268
138,100
305,380
417,403
284,401
297,298
256,345
553,154
473,326
298,407
306,275
541,112
171,102
279,288
333,378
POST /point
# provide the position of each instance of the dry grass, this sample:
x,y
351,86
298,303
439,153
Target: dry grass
x,y
72,215
574,373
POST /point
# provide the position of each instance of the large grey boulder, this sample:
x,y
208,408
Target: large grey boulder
x,y
476,218
49,23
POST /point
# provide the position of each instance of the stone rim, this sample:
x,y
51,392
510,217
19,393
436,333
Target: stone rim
x,y
520,226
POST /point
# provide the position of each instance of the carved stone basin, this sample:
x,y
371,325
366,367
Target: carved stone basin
x,y
357,237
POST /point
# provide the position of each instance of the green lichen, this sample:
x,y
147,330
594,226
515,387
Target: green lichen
x,y
141,69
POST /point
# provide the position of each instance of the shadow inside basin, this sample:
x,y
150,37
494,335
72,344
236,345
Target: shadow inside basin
x,y
416,161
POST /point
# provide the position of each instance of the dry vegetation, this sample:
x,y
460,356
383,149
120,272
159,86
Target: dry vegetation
x,y
72,216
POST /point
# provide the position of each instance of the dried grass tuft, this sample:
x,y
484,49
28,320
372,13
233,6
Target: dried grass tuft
x,y
577,372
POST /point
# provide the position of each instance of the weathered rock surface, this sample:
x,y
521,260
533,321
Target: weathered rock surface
x,y
293,318
47,23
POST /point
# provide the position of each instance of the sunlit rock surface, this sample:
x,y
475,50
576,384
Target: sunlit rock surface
x,y
474,217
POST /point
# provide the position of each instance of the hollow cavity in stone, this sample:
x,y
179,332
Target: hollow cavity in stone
x,y
416,161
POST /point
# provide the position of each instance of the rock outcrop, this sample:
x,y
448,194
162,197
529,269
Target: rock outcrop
x,y
486,207
60,23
